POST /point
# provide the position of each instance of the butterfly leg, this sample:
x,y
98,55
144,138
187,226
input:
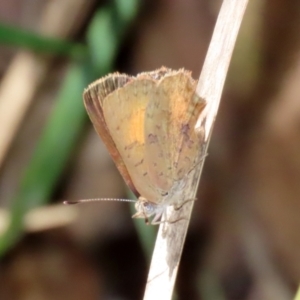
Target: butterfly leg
x,y
157,219
177,220
184,202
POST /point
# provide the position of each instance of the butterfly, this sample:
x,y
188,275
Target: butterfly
x,y
147,123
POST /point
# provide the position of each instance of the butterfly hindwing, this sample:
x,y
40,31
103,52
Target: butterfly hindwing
x,y
171,141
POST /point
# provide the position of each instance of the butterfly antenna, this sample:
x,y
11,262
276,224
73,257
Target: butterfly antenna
x,y
69,202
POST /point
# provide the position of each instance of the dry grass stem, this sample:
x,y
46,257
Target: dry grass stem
x,y
171,236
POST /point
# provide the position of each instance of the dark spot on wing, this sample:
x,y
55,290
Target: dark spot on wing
x,y
152,138
139,163
130,146
185,131
185,128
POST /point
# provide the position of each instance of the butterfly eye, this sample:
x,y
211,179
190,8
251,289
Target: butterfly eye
x,y
149,208
146,205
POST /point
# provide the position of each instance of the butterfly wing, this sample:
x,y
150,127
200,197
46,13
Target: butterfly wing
x,y
152,141
172,145
124,114
93,97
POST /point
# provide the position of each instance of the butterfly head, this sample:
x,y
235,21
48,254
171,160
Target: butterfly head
x,y
146,209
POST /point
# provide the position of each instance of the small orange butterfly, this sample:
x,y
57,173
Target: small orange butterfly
x,y
147,124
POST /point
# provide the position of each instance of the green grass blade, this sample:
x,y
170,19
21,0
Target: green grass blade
x,y
13,36
107,28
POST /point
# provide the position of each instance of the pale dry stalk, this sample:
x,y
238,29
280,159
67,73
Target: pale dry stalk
x,y
171,236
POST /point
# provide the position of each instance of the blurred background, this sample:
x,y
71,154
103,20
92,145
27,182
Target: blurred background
x,y
244,237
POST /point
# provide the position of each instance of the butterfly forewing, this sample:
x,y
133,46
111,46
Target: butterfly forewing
x,y
93,100
127,131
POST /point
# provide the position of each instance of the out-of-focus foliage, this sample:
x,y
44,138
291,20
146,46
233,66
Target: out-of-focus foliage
x,y
66,121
